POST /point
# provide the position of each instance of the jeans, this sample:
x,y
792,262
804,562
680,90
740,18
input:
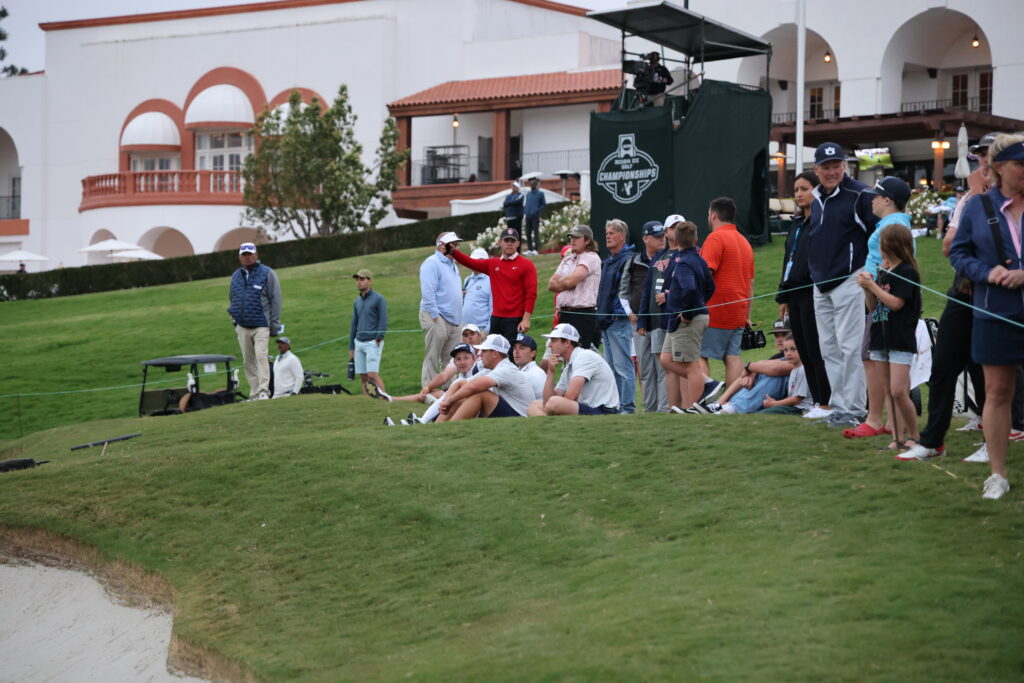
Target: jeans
x,y
752,400
618,344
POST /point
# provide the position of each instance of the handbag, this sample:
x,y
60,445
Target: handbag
x,y
752,339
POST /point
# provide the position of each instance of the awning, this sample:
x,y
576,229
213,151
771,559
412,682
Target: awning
x,y
151,130
220,106
675,28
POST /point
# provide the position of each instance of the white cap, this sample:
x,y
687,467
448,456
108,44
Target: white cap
x,y
494,342
563,331
471,327
672,220
447,237
247,248
479,253
515,184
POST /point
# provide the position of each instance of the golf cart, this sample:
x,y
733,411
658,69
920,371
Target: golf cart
x,y
166,401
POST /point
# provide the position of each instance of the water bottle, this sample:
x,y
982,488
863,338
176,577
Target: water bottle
x,y
351,370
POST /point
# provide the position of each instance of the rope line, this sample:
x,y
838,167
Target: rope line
x,y
335,340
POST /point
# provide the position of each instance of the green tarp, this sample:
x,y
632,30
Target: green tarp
x,y
642,169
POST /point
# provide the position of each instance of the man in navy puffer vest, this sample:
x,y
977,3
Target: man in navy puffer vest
x,y
255,309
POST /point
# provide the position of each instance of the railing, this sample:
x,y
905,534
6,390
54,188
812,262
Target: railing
x,y
470,169
977,104
10,207
809,115
161,187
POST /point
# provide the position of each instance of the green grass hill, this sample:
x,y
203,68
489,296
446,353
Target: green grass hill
x,y
305,541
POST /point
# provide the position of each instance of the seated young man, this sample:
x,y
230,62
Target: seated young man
x,y
434,389
524,353
465,364
587,385
798,399
759,379
501,390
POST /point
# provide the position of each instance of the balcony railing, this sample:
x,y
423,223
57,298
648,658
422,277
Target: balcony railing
x,y
464,169
809,115
977,104
161,187
10,207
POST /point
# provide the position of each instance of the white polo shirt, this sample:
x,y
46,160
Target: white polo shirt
x,y
512,385
599,388
537,378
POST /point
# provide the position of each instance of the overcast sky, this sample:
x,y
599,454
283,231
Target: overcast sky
x,y
25,43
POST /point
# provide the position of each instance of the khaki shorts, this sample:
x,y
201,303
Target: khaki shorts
x,y
684,343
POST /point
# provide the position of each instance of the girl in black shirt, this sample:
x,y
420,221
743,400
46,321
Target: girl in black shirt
x,y
895,304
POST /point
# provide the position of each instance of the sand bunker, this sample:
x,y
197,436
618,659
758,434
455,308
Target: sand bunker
x,y
60,625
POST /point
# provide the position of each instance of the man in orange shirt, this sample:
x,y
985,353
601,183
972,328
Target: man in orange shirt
x,y
731,260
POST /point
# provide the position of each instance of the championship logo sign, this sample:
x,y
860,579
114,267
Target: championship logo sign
x,y
627,171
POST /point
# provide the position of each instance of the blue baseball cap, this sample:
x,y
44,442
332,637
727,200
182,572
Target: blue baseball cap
x,y
892,188
829,151
526,340
654,228
1014,152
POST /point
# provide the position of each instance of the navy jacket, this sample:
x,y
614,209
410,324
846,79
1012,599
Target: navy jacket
x,y
690,287
796,249
608,306
514,205
535,202
837,242
973,255
658,270
255,297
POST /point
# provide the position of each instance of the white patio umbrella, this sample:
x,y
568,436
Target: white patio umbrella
x,y
963,169
136,254
22,256
110,245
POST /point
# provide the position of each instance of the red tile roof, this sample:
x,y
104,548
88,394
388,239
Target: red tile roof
x,y
484,92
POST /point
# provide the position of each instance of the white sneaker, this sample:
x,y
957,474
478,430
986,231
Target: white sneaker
x,y
677,410
973,425
727,409
995,486
980,455
388,422
920,452
817,412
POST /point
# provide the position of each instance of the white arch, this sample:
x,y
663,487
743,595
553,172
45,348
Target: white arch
x,y
783,66
168,242
937,38
232,238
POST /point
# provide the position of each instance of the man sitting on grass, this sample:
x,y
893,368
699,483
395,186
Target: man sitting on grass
x,y
524,353
500,391
434,389
587,385
759,379
465,365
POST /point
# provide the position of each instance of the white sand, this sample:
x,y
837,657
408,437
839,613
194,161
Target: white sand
x,y
60,625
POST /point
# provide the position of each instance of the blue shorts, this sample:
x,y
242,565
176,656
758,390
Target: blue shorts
x,y
718,343
892,357
367,356
600,410
503,409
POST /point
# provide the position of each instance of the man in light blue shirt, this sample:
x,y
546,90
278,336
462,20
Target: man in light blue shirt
x,y
476,302
440,305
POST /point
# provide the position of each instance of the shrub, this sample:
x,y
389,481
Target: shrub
x,y
555,223
918,205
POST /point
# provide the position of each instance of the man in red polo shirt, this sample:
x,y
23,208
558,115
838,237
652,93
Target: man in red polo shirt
x,y
513,286
731,260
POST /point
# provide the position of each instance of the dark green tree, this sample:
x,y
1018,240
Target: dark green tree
x,y
9,69
307,176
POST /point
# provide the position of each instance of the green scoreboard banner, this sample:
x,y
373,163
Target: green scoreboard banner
x,y
631,169
642,168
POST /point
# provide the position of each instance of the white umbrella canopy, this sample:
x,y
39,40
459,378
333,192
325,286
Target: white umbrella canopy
x,y
136,254
22,256
963,169
110,245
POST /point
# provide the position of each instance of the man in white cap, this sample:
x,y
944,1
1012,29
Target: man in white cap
x,y
476,293
288,373
587,385
440,305
501,391
255,310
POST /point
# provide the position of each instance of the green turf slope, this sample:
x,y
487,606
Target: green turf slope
x,y
308,542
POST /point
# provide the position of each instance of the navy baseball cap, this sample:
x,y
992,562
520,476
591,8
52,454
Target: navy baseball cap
x,y
654,228
526,340
1014,152
892,188
462,347
829,151
510,233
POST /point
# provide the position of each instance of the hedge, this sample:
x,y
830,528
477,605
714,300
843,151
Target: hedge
x,y
104,278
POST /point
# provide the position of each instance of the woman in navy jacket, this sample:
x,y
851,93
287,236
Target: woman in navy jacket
x,y
995,267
